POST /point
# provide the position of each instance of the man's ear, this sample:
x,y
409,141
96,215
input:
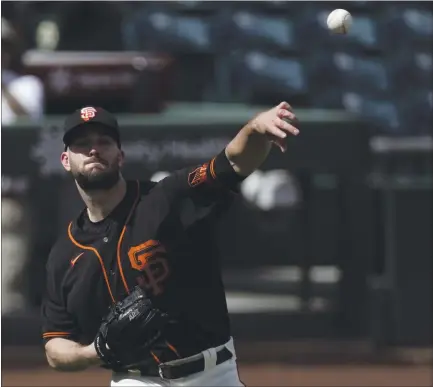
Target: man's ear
x,y
64,158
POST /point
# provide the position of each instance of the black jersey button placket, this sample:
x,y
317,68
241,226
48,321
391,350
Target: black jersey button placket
x,y
112,272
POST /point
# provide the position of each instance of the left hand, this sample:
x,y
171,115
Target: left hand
x,y
130,330
272,124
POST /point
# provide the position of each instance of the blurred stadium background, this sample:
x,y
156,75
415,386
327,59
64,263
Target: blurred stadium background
x,y
327,254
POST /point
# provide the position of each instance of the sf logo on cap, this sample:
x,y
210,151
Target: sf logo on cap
x,y
87,113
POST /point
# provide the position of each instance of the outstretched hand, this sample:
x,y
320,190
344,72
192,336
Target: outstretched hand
x,y
273,123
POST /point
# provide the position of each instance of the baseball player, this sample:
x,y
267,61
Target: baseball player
x,y
134,282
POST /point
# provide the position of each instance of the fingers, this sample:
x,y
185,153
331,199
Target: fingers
x,y
285,126
277,122
275,131
284,105
279,142
285,114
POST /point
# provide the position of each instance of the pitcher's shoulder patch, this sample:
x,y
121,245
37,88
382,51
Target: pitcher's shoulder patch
x,y
198,176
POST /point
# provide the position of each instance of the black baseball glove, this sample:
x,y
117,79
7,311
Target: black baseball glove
x,y
129,331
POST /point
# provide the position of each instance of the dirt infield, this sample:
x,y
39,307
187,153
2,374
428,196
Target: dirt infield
x,y
251,375
26,366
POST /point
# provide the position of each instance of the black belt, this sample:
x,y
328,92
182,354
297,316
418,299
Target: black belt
x,y
182,370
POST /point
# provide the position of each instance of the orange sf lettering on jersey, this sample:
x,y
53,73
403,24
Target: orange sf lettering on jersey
x,y
150,259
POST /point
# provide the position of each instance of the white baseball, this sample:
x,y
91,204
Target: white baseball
x,y
339,21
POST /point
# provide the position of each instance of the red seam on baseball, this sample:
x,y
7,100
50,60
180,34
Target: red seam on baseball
x,y
344,25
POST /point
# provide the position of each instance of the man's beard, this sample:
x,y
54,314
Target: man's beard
x,y
94,182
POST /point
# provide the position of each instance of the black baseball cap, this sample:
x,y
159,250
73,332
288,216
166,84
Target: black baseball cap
x,y
88,115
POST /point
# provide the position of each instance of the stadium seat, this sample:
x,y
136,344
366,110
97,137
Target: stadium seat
x,y
324,79
353,6
361,73
328,98
411,71
257,31
262,78
384,113
185,8
188,38
274,6
363,34
416,110
311,29
189,6
165,31
406,28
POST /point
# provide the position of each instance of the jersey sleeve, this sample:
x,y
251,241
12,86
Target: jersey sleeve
x,y
201,188
209,180
56,321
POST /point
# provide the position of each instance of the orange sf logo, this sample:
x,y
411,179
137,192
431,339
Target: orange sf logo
x,y
149,259
87,113
198,176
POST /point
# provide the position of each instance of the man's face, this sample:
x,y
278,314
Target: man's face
x,y
94,159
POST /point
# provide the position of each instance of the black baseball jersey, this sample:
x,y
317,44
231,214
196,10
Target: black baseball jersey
x,y
161,237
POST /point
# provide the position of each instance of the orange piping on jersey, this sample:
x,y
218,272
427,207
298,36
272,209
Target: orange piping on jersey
x,y
119,243
73,261
172,348
53,334
104,272
155,357
212,169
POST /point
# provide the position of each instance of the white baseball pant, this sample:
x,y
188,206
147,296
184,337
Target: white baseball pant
x,y
224,374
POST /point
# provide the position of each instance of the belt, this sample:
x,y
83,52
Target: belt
x,y
176,371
